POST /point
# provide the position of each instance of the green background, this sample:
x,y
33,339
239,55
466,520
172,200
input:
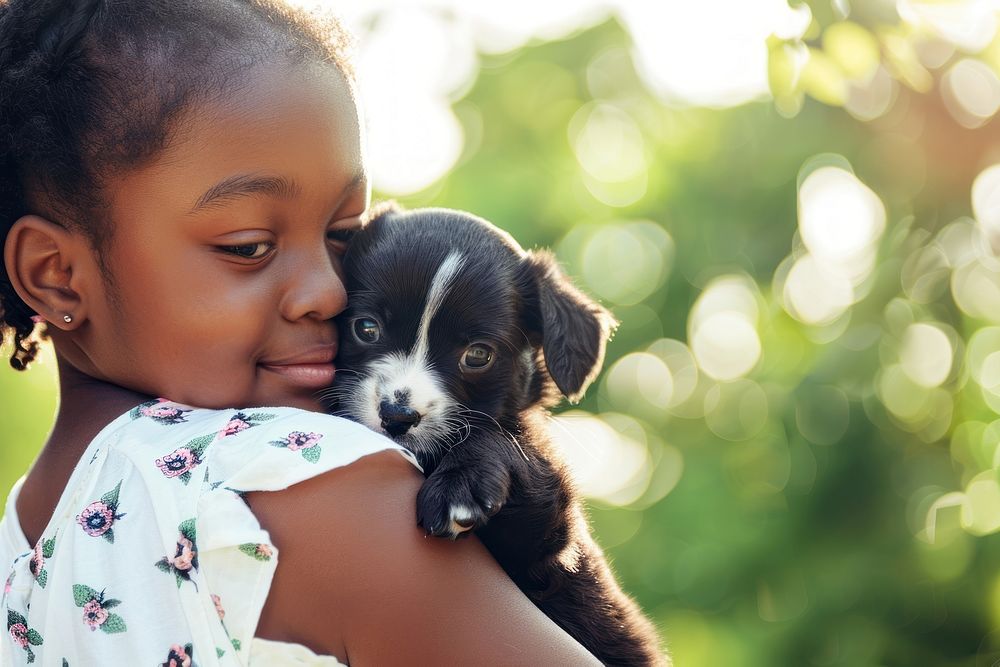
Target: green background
x,y
786,516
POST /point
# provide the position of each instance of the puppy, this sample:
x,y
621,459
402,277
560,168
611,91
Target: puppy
x,y
454,342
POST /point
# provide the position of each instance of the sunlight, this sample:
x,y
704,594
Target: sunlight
x,y
722,328
609,460
710,52
925,354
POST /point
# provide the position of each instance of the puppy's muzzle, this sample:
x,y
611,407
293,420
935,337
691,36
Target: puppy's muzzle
x,y
397,419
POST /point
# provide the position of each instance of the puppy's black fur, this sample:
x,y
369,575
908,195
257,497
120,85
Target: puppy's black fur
x,y
454,343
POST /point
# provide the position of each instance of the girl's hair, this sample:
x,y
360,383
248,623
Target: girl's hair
x,y
90,88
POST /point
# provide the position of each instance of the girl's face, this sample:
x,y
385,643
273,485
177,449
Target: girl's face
x,y
225,256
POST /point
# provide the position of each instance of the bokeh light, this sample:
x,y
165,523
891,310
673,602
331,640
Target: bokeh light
x,y
623,262
607,454
722,328
971,91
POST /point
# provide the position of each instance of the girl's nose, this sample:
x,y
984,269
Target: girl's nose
x,y
315,288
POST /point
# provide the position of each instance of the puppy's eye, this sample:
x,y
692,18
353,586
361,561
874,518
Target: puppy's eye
x,y
367,330
477,357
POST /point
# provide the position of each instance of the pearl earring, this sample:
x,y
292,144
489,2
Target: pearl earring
x,y
67,318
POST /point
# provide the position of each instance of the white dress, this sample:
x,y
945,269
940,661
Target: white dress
x,y
152,557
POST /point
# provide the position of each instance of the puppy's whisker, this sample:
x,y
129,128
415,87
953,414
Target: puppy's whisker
x,y
527,341
333,395
510,435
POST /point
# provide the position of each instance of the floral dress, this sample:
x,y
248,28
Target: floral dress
x,y
152,557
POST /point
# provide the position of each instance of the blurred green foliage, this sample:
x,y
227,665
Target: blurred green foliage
x,y
823,507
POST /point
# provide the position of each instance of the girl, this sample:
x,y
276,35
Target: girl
x,y
180,178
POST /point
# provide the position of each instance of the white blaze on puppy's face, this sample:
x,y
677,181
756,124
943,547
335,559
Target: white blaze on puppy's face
x,y
408,378
435,297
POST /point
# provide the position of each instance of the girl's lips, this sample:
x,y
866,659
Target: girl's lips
x,y
315,376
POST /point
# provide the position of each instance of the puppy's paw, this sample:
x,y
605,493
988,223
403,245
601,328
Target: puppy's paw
x,y
453,502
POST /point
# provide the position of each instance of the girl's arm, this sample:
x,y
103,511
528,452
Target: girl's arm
x,y
357,579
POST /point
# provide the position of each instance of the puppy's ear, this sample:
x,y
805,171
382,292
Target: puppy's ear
x,y
574,329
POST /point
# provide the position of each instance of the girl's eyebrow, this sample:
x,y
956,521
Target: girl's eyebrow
x,y
249,185
245,185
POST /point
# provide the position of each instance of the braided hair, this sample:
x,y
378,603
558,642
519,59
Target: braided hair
x,y
92,88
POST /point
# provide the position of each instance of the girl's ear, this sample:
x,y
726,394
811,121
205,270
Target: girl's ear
x,y
43,261
574,328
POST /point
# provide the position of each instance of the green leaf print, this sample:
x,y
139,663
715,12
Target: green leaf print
x,y
42,578
258,551
219,652
236,644
108,604
187,529
83,594
109,535
48,547
163,564
311,454
34,638
261,417
185,476
113,624
111,497
199,444
13,618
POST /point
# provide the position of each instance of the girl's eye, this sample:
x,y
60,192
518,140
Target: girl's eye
x,y
249,250
367,330
477,357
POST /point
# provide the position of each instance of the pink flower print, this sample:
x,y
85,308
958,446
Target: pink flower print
x,y
236,424
96,518
161,411
185,555
95,610
7,586
19,632
218,606
158,411
264,551
177,462
182,560
94,614
178,657
23,636
37,561
298,440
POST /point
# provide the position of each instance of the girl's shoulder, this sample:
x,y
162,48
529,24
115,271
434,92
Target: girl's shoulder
x,y
159,509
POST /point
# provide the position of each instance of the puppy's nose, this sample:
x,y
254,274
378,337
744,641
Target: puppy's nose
x,y
397,419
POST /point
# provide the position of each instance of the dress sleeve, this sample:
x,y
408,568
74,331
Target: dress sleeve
x,y
260,450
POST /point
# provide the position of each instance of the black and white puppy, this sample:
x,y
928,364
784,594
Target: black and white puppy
x,y
454,342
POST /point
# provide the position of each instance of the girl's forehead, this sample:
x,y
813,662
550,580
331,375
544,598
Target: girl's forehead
x,y
297,132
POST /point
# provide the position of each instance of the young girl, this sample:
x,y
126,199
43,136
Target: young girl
x,y
179,180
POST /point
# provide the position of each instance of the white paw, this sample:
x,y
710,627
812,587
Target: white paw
x,y
462,518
